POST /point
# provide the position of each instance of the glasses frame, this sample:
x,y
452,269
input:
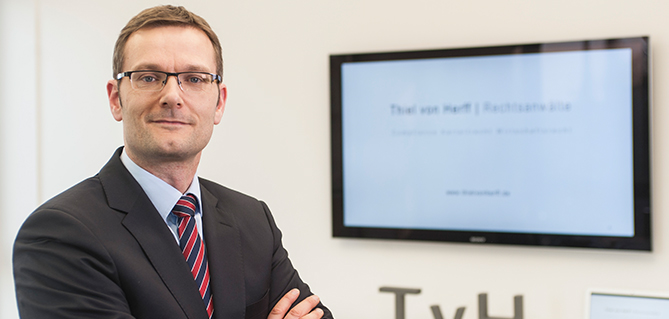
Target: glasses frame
x,y
216,78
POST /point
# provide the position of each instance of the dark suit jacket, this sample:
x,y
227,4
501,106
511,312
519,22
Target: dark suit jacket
x,y
101,250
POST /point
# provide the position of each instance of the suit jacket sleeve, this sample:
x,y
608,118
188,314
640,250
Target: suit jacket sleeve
x,y
62,270
232,219
284,276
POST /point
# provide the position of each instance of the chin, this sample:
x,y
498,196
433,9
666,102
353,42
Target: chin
x,y
177,152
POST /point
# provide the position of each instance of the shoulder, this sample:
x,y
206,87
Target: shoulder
x,y
84,204
87,194
227,194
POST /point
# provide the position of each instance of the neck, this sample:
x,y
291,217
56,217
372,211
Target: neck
x,y
178,173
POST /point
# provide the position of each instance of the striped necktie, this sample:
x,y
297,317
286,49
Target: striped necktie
x,y
192,247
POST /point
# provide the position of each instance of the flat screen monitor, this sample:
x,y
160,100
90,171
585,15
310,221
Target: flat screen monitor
x,y
626,305
534,144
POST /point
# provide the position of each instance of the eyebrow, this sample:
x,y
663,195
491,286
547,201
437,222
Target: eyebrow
x,y
156,67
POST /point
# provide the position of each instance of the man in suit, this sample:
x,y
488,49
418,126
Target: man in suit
x,y
146,237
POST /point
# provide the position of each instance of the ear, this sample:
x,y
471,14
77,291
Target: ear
x,y
220,106
114,100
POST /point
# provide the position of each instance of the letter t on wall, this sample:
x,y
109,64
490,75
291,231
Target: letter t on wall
x,y
399,298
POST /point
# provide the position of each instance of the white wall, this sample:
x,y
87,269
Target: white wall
x,y
19,98
273,142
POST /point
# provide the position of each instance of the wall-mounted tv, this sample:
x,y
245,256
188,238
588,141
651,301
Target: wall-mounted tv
x,y
535,144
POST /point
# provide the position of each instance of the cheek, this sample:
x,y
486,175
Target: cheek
x,y
134,106
132,116
208,112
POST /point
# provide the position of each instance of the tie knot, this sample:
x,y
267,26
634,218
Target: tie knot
x,y
187,205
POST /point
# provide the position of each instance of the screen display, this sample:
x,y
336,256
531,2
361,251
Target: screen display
x,y
535,143
604,306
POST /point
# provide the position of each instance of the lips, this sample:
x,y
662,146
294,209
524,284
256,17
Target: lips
x,y
168,119
176,122
169,124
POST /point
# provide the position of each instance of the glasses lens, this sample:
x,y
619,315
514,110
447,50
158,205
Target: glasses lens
x,y
195,81
146,80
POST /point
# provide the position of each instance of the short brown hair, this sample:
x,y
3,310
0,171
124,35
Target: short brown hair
x,y
166,15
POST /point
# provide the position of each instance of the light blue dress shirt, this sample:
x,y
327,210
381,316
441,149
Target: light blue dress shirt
x,y
163,195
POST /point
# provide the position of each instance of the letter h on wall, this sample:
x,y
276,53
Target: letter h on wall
x,y
483,309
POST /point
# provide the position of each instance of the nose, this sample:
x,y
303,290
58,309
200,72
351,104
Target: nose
x,y
171,93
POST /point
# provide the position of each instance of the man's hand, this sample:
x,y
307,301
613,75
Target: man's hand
x,y
301,311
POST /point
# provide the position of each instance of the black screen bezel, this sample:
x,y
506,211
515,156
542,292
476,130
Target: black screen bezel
x,y
641,150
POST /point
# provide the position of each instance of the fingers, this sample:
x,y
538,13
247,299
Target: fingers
x,y
315,314
282,307
302,310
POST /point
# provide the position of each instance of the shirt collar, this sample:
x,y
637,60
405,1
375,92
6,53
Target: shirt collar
x,y
163,196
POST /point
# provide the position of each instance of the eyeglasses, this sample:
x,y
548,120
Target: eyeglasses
x,y
147,80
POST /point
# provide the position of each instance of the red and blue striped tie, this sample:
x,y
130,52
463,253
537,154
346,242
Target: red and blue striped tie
x,y
192,247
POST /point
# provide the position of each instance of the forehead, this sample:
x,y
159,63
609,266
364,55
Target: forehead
x,y
169,48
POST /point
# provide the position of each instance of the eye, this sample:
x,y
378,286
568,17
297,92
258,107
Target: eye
x,y
195,78
147,77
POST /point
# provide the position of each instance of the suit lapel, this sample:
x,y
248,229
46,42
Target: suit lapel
x,y
223,244
145,224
